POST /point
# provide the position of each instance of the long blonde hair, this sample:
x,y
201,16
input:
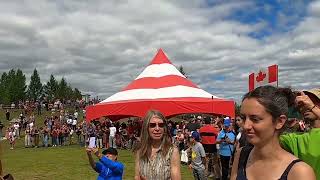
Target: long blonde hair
x,y
144,148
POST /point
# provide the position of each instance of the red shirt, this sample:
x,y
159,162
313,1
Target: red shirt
x,y
208,134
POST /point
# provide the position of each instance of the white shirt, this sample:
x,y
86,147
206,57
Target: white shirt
x,y
113,131
74,122
238,136
69,121
31,125
16,126
76,114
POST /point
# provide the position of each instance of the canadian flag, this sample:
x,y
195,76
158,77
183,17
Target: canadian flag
x,y
264,77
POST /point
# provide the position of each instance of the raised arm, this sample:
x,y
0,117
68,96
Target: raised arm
x,y
91,161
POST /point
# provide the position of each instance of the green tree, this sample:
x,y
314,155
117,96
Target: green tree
x,y
182,71
62,88
20,86
50,89
35,87
12,86
4,96
77,94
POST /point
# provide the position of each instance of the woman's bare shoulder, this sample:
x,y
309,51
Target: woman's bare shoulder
x,y
301,170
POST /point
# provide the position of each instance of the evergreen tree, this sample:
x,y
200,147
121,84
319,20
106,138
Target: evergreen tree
x,y
77,94
50,89
35,86
20,86
182,71
4,97
62,88
10,86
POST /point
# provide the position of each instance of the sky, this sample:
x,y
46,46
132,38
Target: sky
x,y
100,46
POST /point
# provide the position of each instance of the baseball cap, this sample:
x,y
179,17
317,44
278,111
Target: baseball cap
x,y
195,135
315,92
227,122
110,150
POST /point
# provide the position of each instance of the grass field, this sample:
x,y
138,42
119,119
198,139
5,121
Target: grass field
x,y
58,163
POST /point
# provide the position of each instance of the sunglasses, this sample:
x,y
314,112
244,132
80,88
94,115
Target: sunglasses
x,y
153,125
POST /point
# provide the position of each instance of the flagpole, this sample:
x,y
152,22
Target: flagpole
x,y
277,76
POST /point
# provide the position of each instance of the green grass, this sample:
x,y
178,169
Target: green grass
x,y
58,163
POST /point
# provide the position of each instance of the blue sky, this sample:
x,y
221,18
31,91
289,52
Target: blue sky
x,y
280,16
101,47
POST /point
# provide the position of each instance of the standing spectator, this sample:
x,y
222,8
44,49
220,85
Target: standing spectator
x,y
8,115
78,132
193,126
209,135
156,157
16,129
198,157
74,124
71,132
36,137
226,140
112,136
27,137
39,106
99,137
91,131
75,114
45,133
180,140
11,138
55,136
84,133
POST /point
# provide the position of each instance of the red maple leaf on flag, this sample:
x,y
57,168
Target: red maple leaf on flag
x,y
260,76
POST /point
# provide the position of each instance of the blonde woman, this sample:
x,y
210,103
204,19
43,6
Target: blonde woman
x,y
156,156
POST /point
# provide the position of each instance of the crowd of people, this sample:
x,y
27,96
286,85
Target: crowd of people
x,y
261,137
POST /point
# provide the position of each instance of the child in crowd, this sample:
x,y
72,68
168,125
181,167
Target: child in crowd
x,y
198,157
11,137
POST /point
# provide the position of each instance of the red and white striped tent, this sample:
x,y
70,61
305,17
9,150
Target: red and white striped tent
x,y
162,87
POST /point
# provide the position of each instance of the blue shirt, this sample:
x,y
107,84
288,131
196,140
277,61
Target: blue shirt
x,y
225,148
109,169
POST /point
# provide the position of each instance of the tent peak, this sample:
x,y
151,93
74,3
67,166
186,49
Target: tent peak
x,y
160,58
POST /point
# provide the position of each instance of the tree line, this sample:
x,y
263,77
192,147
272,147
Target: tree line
x,y
13,88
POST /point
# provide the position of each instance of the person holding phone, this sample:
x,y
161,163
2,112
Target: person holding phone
x,y
108,167
226,140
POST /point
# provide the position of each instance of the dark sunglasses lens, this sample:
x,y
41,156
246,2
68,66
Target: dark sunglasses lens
x,y
152,125
161,125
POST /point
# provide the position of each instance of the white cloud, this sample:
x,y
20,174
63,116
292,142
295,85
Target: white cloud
x,y
99,47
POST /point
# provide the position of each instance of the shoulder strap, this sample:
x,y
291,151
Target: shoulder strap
x,y
243,160
284,175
